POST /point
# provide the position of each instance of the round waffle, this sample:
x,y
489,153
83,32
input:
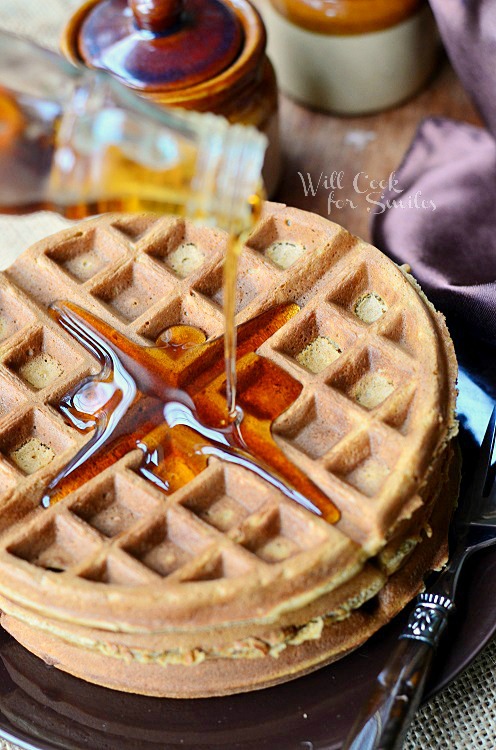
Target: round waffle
x,y
226,584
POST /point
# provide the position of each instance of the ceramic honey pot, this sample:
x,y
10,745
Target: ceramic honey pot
x,y
351,56
205,55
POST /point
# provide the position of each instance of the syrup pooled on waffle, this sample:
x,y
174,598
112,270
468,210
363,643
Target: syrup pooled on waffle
x,y
185,554
186,407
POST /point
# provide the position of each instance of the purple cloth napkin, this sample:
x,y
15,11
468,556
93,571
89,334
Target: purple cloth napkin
x,y
444,222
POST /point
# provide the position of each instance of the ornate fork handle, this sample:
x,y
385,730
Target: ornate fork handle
x,y
429,619
399,687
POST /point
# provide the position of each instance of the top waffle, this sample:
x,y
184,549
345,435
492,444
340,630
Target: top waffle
x,y
376,408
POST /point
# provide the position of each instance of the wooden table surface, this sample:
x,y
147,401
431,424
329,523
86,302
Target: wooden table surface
x,y
318,143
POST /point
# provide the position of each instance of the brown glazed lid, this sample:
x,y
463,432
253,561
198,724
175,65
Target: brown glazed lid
x,y
160,45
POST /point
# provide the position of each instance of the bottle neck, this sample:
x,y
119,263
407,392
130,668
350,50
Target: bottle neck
x,y
133,156
347,17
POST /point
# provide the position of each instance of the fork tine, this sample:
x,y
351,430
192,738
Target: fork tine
x,y
485,457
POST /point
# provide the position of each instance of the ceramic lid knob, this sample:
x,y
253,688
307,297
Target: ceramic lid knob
x,y
161,45
156,15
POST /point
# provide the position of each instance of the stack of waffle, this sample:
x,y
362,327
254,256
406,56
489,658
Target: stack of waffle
x,y
225,585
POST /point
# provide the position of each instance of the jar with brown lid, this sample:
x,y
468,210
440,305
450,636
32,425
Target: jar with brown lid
x,y
205,55
351,56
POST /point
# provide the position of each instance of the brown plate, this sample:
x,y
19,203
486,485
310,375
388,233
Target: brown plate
x,y
44,709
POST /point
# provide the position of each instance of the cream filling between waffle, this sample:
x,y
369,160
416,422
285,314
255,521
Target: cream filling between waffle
x,y
251,647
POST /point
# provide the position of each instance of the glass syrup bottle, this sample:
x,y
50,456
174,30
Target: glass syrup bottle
x,y
80,143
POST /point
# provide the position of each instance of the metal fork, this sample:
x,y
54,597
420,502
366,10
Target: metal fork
x,y
384,720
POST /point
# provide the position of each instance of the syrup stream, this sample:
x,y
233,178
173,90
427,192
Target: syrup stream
x,y
230,278
231,261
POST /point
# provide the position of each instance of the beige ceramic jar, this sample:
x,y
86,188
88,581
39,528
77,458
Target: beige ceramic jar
x,y
351,56
206,55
